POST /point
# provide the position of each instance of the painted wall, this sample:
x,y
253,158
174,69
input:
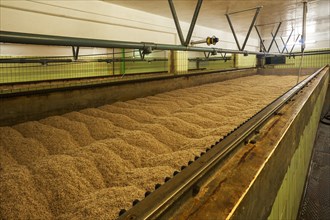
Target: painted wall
x,y
242,61
94,19
288,198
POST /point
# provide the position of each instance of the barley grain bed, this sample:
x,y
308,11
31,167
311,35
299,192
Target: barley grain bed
x,y
96,161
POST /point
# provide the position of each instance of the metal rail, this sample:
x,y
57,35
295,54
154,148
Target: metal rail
x,y
163,199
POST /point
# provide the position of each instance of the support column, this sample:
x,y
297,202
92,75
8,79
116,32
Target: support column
x,y
178,62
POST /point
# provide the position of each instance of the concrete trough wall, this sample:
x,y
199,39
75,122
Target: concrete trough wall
x,y
276,191
35,106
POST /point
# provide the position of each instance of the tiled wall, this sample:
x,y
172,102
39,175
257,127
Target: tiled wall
x,y
242,61
180,62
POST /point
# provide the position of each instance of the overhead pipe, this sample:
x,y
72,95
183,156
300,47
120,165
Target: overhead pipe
x,y
38,39
303,36
41,61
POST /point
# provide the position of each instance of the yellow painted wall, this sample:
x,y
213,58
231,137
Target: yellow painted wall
x,y
242,61
287,202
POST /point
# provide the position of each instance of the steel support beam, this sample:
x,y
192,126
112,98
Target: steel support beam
x,y
249,9
271,43
193,22
233,31
287,41
75,52
276,43
294,44
261,41
251,26
284,45
176,21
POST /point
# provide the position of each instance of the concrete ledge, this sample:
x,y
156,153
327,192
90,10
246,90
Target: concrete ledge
x,y
36,106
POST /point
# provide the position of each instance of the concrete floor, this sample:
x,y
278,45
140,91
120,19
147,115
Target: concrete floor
x,y
316,201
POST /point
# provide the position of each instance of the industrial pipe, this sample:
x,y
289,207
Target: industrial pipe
x,y
303,36
209,40
37,39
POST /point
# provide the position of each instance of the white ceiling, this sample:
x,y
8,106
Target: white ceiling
x,y
212,13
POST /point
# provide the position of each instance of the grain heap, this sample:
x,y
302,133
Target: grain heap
x,y
94,162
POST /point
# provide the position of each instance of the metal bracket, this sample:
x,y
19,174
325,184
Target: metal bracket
x,y
142,54
145,51
192,24
75,52
207,54
250,29
213,53
224,56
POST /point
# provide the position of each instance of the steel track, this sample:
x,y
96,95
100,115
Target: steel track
x,y
167,196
